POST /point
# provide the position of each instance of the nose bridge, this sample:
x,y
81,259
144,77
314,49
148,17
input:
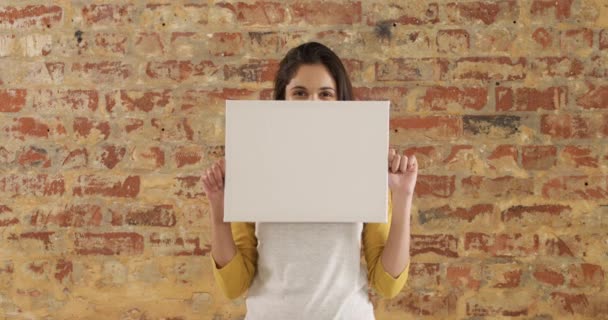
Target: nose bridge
x,y
313,97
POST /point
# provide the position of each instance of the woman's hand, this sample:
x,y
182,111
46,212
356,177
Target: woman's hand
x,y
213,185
403,172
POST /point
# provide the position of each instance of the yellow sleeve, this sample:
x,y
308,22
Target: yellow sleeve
x,y
235,277
374,238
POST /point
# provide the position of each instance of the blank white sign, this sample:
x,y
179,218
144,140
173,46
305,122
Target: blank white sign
x,y
306,161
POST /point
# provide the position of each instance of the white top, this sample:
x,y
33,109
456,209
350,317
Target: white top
x,y
309,271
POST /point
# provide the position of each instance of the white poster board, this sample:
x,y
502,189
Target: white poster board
x,y
306,161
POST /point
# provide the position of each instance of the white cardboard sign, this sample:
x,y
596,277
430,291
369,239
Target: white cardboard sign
x,y
306,161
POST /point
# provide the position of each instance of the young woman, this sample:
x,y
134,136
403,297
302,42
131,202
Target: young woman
x,y
313,270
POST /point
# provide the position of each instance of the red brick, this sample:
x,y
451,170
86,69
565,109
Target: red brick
x,y
157,216
253,71
103,72
502,244
213,100
172,129
435,186
85,127
30,16
111,43
35,185
188,155
594,98
502,275
457,153
439,98
557,66
225,44
424,275
548,275
428,156
560,9
441,244
190,187
604,39
489,68
116,243
109,187
566,126
77,158
112,155
464,276
411,69
148,158
571,303
576,188
31,157
7,218
326,12
28,127
149,44
63,269
586,275
578,156
531,99
544,37
556,246
488,12
73,215
134,125
403,13
496,159
12,100
436,126
179,70
479,306
52,101
453,41
259,13
130,101
572,40
43,236
505,186
531,215
269,43
539,157
418,304
108,14
457,214
397,95
164,244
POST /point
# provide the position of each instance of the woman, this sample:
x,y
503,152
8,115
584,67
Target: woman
x,y
313,270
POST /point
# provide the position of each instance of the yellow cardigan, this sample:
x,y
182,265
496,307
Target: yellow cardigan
x,y
236,276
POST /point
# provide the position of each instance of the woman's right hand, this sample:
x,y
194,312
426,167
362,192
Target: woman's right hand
x,y
213,185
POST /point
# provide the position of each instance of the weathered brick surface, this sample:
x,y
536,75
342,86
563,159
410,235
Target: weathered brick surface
x,y
110,110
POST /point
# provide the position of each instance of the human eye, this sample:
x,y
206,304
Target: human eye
x,y
299,93
327,95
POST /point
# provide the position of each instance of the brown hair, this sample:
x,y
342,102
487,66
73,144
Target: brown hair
x,y
312,53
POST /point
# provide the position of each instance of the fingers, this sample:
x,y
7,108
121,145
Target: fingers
x,y
412,163
222,163
211,177
404,163
395,163
218,175
391,155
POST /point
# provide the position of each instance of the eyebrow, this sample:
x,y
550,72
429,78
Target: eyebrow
x,y
322,88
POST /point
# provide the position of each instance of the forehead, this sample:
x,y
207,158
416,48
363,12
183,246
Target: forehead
x,y
312,75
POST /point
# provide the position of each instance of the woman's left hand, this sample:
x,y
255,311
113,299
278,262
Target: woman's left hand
x,y
403,171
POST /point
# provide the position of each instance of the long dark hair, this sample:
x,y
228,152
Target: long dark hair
x,y
312,53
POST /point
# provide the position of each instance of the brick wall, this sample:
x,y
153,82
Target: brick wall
x,y
109,112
